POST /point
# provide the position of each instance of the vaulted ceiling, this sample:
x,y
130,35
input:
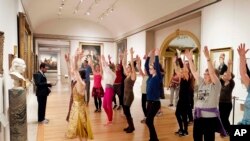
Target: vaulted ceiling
x,y
123,16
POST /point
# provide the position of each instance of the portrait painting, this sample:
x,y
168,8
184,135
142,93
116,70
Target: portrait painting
x,y
91,50
220,58
50,60
121,47
1,51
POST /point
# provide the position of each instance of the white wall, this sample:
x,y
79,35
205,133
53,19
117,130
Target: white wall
x,y
73,27
226,24
138,42
8,24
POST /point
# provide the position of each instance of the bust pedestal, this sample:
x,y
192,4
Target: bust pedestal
x,y
17,114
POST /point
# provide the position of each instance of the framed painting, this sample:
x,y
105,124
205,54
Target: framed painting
x,y
11,58
121,47
1,51
25,48
220,58
50,59
91,50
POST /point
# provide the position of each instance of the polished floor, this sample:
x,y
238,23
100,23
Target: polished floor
x,y
57,108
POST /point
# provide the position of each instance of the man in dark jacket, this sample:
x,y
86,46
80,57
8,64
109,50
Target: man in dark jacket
x,y
222,67
42,91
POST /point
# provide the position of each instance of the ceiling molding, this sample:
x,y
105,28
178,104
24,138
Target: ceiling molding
x,y
170,17
52,46
66,37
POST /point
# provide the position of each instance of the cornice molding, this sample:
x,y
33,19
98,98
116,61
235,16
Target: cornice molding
x,y
66,37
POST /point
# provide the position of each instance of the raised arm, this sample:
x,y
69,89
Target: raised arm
x,y
138,65
104,63
109,59
229,71
146,65
133,73
211,71
189,55
90,61
80,86
243,71
124,62
67,59
157,63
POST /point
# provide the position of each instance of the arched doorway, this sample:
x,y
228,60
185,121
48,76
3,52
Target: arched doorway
x,y
181,40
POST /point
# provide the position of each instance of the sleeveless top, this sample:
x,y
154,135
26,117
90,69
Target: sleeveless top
x,y
97,81
128,91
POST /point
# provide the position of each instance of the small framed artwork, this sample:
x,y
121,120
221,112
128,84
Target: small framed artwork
x,y
91,50
50,59
121,47
220,58
11,58
1,51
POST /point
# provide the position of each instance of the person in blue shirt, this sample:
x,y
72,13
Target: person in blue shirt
x,y
86,67
246,81
153,92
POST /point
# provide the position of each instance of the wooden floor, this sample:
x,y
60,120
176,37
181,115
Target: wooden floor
x,y
57,108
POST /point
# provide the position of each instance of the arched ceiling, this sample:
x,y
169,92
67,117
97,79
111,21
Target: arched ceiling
x,y
127,15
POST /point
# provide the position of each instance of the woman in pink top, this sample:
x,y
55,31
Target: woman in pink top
x,y
97,91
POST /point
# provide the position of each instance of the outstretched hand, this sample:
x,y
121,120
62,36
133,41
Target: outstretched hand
x,y
206,52
131,50
157,51
66,56
189,54
242,50
178,53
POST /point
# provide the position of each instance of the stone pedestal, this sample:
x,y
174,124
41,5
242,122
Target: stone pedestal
x,y
17,115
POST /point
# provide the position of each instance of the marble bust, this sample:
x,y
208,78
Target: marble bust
x,y
18,67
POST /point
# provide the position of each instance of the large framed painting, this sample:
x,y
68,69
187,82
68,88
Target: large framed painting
x,y
121,47
50,59
25,42
91,50
1,51
221,56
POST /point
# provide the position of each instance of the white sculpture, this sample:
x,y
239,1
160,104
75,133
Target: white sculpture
x,y
18,67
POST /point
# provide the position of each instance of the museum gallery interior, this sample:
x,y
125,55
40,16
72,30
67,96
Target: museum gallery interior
x,y
34,32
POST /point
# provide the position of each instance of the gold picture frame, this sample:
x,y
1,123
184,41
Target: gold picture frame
x,y
215,56
92,50
1,51
11,58
25,42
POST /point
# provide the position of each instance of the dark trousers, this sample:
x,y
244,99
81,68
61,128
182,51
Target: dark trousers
x,y
144,104
88,91
117,91
126,111
98,102
122,94
181,116
152,109
206,127
42,101
191,101
225,110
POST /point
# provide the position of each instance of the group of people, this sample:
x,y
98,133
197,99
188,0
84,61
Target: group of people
x,y
211,110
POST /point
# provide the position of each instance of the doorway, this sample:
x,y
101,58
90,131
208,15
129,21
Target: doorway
x,y
180,40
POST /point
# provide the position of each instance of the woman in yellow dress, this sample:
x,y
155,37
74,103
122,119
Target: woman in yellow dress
x,y
79,123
